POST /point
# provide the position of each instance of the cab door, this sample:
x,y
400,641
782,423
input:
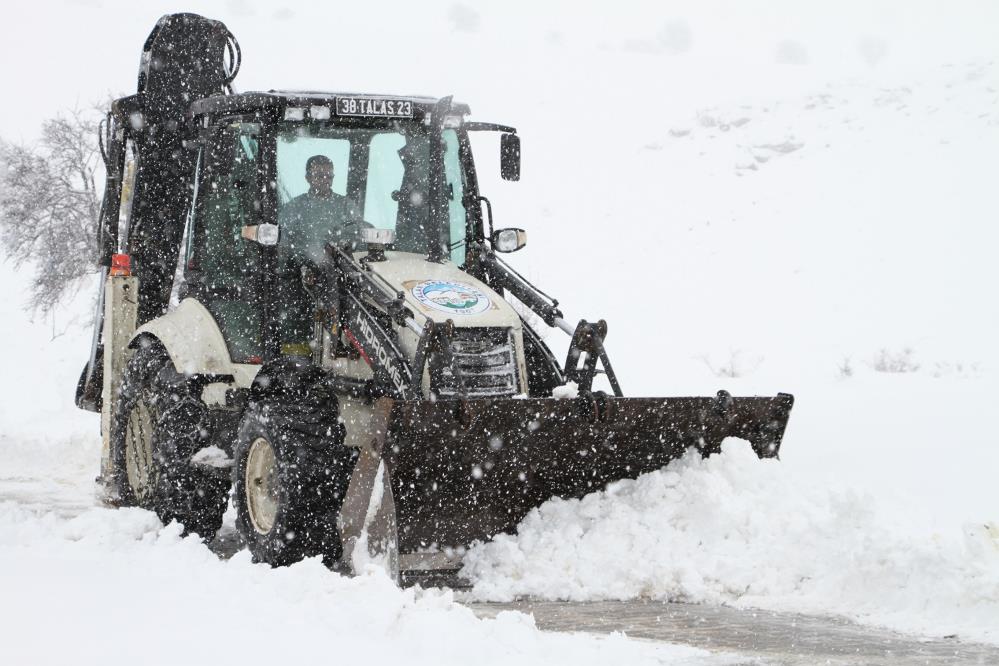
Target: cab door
x,y
221,266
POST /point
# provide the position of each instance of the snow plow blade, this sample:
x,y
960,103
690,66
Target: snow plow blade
x,y
467,470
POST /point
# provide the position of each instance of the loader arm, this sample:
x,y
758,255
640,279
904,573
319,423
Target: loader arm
x,y
345,286
587,345
393,374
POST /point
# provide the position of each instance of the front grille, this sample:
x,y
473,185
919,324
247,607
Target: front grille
x,y
487,362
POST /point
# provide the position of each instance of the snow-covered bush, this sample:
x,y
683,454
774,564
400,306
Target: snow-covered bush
x,y
895,362
737,365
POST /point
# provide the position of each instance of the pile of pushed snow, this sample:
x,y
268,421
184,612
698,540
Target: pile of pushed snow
x,y
737,530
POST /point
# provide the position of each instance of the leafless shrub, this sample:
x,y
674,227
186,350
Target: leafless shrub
x,y
956,369
735,366
895,362
49,206
846,368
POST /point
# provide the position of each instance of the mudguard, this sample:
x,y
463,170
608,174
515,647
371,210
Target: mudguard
x,y
194,341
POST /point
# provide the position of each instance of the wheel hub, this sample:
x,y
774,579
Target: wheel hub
x,y
139,451
261,486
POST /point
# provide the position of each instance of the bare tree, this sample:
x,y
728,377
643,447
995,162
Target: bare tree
x,y
49,206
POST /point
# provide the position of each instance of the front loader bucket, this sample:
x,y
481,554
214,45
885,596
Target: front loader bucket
x,y
469,469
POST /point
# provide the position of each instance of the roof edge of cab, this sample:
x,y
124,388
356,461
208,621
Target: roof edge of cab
x,y
278,100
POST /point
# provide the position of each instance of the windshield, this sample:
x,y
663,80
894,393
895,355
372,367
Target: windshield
x,y
335,181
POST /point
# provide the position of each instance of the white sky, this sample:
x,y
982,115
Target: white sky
x,y
56,54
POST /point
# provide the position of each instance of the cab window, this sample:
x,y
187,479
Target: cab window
x,y
222,266
454,190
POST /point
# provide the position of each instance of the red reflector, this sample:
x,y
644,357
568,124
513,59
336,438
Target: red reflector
x,y
254,359
121,264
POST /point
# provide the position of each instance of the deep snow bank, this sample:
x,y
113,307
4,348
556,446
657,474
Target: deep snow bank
x,y
736,530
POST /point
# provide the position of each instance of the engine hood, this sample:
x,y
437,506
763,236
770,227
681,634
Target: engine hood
x,y
443,291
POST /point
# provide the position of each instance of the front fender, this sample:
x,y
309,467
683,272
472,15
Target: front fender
x,y
193,340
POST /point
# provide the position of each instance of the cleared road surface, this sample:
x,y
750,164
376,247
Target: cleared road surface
x,y
762,637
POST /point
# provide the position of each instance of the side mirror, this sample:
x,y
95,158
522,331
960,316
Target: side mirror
x,y
510,157
508,240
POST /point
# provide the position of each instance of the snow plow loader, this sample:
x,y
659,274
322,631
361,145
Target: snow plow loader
x,y
304,307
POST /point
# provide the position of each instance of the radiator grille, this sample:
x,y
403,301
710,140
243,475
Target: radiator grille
x,y
487,362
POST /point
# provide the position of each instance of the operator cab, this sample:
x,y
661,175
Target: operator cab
x,y
322,168
381,171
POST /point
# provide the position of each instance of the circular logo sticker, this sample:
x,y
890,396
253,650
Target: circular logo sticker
x,y
452,297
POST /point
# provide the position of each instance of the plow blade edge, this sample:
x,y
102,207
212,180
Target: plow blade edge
x,y
467,470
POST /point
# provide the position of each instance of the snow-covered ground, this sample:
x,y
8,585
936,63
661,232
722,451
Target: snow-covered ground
x,y
776,195
87,585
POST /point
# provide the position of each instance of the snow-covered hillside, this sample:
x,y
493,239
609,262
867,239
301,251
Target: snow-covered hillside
x,y
756,200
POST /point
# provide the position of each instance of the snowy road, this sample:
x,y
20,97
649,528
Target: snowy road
x,y
761,636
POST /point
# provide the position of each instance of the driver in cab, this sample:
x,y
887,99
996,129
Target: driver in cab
x,y
308,222
319,216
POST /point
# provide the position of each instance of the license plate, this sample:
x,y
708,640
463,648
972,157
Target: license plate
x,y
379,107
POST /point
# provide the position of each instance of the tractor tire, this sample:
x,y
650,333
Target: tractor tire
x,y
158,425
290,475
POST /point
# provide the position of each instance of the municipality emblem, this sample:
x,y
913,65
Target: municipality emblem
x,y
452,297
